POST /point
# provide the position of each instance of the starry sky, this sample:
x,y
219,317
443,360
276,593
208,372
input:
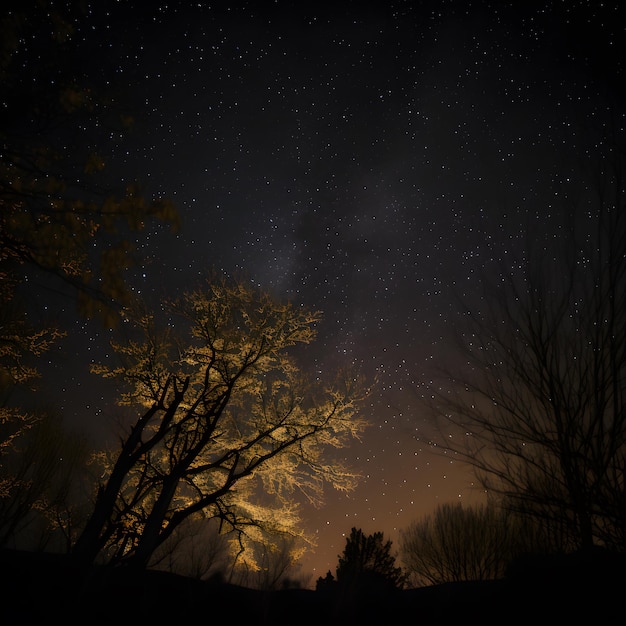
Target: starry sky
x,y
371,160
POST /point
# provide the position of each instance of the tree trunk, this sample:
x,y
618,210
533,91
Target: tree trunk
x,y
92,538
149,540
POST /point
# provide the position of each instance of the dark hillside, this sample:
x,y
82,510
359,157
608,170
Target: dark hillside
x,y
39,588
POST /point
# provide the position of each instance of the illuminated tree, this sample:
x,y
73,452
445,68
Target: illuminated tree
x,y
367,563
539,409
228,426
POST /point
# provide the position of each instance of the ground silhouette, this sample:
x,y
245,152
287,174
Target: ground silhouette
x,y
41,588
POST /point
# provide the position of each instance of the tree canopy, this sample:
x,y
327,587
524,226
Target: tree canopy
x,y
227,426
55,195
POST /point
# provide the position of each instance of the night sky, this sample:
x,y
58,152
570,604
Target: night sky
x,y
369,160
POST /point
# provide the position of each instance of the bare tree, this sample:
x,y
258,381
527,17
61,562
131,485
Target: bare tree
x,y
227,426
270,564
195,549
538,409
456,543
37,478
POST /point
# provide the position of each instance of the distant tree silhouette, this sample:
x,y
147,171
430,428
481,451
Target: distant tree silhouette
x,y
273,565
367,562
538,409
457,543
196,549
325,583
38,481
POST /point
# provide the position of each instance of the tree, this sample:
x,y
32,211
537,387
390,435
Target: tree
x,y
54,202
195,549
270,564
65,228
55,198
539,409
325,583
38,472
457,543
367,563
228,427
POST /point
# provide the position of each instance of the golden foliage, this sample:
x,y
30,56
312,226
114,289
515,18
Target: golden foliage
x,y
231,424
